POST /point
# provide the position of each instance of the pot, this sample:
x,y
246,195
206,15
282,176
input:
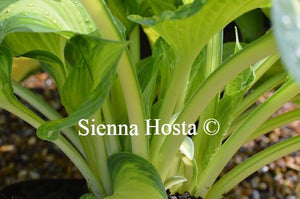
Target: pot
x,y
45,189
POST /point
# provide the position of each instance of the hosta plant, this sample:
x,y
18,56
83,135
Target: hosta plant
x,y
173,120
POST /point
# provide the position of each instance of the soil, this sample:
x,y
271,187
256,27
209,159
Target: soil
x,y
185,195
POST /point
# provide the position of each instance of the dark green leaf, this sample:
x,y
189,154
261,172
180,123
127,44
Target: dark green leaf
x,y
159,6
251,25
122,8
5,73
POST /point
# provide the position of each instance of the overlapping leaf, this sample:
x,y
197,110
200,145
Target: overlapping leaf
x,y
92,74
8,100
122,8
189,28
154,74
34,25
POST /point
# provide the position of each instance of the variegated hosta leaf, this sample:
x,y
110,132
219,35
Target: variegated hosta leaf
x,y
286,22
189,28
64,16
94,63
8,100
35,25
134,178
